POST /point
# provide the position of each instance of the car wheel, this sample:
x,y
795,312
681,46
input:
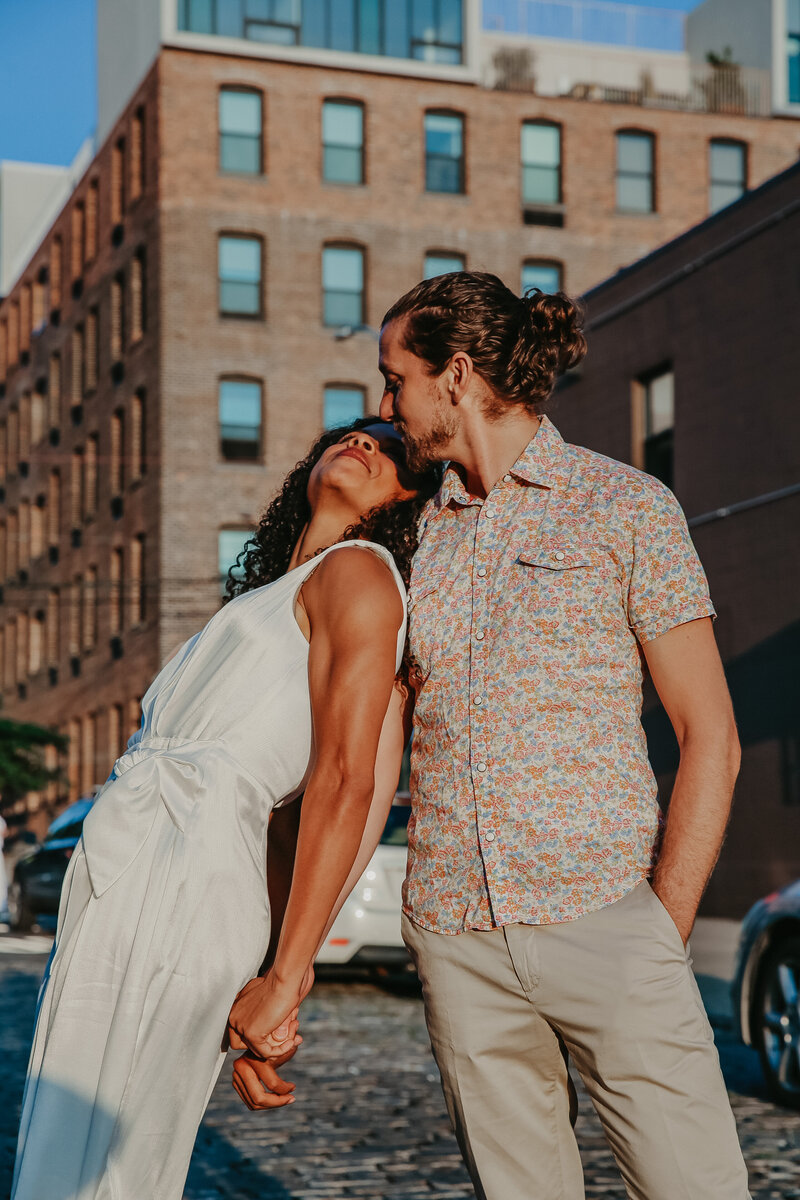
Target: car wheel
x,y
776,1020
19,910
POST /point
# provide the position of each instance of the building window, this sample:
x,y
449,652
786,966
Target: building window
x,y
24,554
3,553
77,364
13,333
56,271
116,464
3,351
118,182
73,760
137,154
22,647
635,171
77,249
89,629
343,141
240,276
343,285
25,427
541,163
35,643
37,418
92,350
90,482
38,314
240,419
653,424
727,162
54,391
76,489
88,752
38,526
138,307
117,317
793,49
429,30
241,131
442,263
546,276
52,633
13,441
115,592
137,609
138,462
12,552
53,508
92,207
444,152
342,404
25,309
230,544
75,589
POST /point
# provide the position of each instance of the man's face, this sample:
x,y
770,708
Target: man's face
x,y
415,402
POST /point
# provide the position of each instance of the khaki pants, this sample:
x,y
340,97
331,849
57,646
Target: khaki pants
x,y
617,988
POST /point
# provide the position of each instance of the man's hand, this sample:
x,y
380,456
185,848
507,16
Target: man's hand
x,y
263,1020
258,1084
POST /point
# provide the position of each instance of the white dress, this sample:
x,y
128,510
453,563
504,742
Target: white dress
x,y
164,914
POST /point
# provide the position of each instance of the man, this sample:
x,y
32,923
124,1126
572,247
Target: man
x,y
545,575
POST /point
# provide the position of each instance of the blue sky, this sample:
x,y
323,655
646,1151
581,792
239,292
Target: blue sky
x,y
47,75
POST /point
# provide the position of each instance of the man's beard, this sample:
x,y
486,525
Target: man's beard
x,y
428,448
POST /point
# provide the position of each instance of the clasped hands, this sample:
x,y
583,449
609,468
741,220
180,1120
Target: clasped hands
x,y
263,1022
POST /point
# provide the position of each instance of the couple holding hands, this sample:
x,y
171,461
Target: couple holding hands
x,y
455,566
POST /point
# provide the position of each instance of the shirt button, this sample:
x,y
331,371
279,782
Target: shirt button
x,y
481,572
478,700
506,479
559,555
488,512
489,836
481,767
480,635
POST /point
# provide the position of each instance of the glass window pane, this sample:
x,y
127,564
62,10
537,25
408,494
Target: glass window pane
x,y
230,543
240,112
240,259
197,16
229,18
634,195
342,269
423,20
396,31
727,163
450,26
540,185
660,394
635,153
314,23
343,308
443,134
342,25
342,165
793,16
240,154
723,194
239,402
793,69
240,298
541,145
441,264
544,276
342,124
369,26
342,406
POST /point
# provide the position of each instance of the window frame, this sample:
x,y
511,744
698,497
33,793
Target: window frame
x,y
554,205
340,244
244,236
250,90
350,102
241,377
454,254
740,144
342,385
630,130
535,261
439,111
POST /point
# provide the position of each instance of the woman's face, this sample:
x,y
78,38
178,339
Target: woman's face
x,y
366,467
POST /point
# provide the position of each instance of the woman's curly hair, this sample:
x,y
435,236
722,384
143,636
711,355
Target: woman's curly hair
x,y
266,555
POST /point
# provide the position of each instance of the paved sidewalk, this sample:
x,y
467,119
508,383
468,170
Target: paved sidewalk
x,y
369,1121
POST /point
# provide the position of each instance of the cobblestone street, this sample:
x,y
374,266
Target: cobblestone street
x,y
369,1120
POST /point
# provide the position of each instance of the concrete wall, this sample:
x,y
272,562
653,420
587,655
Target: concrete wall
x,y
744,25
30,196
128,40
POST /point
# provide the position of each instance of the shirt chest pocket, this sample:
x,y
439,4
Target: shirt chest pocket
x,y
430,611
570,589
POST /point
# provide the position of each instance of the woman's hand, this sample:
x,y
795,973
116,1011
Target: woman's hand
x,y
263,1018
257,1083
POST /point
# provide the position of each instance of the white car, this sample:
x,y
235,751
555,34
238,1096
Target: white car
x,y
366,932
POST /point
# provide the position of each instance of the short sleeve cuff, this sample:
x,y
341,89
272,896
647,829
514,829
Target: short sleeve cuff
x,y
662,622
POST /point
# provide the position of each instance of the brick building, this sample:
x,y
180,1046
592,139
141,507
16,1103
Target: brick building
x,y
692,374
169,351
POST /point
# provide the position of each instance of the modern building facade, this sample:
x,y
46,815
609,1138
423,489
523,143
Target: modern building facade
x,y
692,375
275,177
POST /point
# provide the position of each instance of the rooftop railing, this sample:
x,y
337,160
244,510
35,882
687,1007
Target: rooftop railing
x,y
588,21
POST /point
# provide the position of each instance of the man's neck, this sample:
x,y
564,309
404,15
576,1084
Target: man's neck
x,y
485,450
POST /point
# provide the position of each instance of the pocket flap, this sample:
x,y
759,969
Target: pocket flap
x,y
558,558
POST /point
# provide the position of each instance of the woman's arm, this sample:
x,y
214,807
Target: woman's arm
x,y
355,612
284,827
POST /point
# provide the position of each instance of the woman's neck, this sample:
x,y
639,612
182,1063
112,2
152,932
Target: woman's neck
x,y
324,528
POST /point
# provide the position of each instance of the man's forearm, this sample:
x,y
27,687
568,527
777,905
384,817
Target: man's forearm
x,y
696,821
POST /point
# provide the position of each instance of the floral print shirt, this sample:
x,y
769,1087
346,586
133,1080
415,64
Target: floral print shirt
x,y
532,796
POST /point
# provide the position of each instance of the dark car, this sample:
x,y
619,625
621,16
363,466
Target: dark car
x,y
766,990
35,888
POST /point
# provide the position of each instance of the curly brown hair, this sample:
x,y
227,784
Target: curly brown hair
x,y
266,555
519,345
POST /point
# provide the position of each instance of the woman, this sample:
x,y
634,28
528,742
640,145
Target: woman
x,y
165,913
